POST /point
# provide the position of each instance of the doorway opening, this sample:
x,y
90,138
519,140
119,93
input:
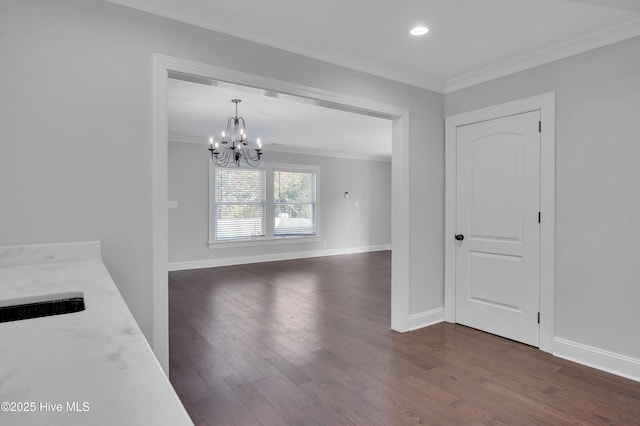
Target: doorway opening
x,y
164,67
322,187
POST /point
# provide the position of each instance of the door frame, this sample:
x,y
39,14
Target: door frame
x,y
545,103
163,65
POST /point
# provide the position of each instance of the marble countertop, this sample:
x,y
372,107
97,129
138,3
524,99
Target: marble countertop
x,y
85,368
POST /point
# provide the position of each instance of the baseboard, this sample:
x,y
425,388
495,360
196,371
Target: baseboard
x,y
425,319
610,362
211,263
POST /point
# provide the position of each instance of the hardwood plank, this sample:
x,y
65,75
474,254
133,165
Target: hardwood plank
x,y
343,400
308,342
287,408
233,406
290,371
213,412
247,393
268,415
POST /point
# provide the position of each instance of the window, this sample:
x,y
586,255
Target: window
x,y
239,203
294,202
270,203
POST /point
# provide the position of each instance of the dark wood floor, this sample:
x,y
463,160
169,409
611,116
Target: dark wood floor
x,y
308,342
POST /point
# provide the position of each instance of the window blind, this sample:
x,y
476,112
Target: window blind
x,y
294,195
239,203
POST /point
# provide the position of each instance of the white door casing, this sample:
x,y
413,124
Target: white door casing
x,y
498,200
545,104
400,226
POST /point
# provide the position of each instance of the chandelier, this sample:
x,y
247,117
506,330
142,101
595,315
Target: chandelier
x,y
233,148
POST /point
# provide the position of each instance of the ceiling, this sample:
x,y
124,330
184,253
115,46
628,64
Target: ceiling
x,y
469,40
199,110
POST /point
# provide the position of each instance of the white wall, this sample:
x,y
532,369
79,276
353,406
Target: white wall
x,y
597,196
76,135
341,224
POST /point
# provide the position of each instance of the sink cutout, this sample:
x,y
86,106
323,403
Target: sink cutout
x,y
41,306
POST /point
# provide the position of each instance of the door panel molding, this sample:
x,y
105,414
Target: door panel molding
x,y
544,103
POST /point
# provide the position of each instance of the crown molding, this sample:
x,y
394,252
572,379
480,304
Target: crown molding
x,y
631,5
292,150
572,47
350,156
188,139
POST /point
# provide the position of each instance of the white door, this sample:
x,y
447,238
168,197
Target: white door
x,y
498,231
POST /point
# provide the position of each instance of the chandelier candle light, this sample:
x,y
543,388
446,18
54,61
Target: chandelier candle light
x,y
234,144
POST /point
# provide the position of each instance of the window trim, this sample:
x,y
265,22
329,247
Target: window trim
x,y
313,203
269,238
212,206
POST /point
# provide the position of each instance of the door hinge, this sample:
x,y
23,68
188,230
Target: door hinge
x,y
539,217
538,317
539,126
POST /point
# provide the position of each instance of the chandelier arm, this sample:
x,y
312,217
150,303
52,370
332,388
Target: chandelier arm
x,y
251,162
234,144
254,157
230,132
244,127
223,157
218,161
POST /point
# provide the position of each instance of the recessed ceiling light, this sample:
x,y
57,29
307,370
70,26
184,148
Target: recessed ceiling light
x,y
419,30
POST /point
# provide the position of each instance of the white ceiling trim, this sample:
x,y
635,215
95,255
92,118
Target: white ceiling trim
x,y
319,97
187,139
578,45
305,151
632,5
291,150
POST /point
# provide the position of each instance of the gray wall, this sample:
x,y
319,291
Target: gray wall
x,y
341,225
597,195
76,132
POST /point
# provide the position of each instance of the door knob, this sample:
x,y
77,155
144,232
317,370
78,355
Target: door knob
x,y
459,237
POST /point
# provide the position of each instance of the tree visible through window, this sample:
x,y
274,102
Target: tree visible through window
x,y
294,203
267,202
239,203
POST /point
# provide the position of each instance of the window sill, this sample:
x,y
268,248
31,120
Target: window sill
x,y
262,241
